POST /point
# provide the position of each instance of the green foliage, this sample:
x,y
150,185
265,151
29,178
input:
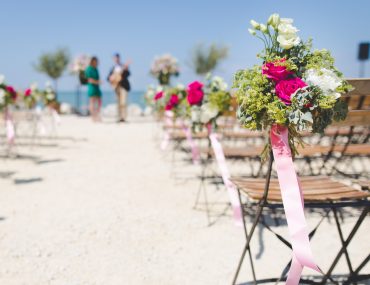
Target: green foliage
x,y
54,63
206,59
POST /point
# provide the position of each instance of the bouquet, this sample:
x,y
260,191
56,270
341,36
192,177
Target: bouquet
x,y
78,67
208,102
31,96
170,99
295,87
48,96
163,67
8,95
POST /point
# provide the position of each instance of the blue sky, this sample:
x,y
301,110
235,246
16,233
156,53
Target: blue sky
x,y
141,29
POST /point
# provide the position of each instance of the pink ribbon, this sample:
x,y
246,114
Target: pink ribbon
x,y
231,189
194,149
168,122
293,202
10,130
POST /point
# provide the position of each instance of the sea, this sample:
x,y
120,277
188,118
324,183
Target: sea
x,y
78,99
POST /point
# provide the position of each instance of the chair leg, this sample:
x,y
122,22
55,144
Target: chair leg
x,y
345,244
249,238
342,241
260,207
246,236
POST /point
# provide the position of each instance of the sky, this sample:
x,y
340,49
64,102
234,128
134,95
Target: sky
x,y
142,29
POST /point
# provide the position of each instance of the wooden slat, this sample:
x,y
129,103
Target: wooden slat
x,y
355,118
314,189
361,86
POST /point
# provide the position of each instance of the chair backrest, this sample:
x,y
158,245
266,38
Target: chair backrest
x,y
359,98
355,118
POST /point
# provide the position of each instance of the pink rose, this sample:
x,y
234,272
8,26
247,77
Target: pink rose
x,y
275,70
158,96
11,90
174,100
27,92
195,93
285,88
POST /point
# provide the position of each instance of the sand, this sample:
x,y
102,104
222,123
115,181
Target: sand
x,y
100,205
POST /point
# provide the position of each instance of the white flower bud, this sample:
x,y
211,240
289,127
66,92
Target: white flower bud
x,y
252,32
274,20
255,25
263,28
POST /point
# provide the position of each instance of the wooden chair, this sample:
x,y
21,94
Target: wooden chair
x,y
319,192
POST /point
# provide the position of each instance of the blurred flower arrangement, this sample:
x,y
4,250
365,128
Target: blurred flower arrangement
x,y
48,96
78,67
31,96
163,67
8,95
168,99
295,86
207,102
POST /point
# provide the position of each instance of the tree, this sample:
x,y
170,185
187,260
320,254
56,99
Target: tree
x,y
53,64
206,59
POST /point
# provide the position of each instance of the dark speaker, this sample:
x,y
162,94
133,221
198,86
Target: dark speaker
x,y
363,51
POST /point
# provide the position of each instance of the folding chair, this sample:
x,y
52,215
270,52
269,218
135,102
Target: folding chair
x,y
320,192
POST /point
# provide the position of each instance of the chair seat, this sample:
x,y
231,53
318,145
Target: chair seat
x,y
315,189
309,150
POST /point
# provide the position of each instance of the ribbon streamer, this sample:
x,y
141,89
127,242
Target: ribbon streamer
x,y
194,149
10,130
231,189
168,122
293,202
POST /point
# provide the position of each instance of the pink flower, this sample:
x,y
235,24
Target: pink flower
x,y
285,88
158,96
174,100
11,90
27,92
195,93
276,70
13,93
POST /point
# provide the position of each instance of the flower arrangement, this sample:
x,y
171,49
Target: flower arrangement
x,y
168,99
8,95
31,96
78,67
163,67
48,96
296,86
207,102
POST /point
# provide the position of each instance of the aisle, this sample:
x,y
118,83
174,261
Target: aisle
x,y
98,206
101,208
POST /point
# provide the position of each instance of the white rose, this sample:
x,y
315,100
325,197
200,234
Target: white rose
x,y
287,28
325,79
208,112
255,25
2,79
288,41
2,96
286,20
274,20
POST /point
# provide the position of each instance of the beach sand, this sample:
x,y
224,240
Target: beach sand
x,y
98,205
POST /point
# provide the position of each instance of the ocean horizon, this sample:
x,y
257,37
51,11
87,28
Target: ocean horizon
x,y
78,99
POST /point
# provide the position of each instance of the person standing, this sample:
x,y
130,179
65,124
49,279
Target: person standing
x,y
93,89
118,78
